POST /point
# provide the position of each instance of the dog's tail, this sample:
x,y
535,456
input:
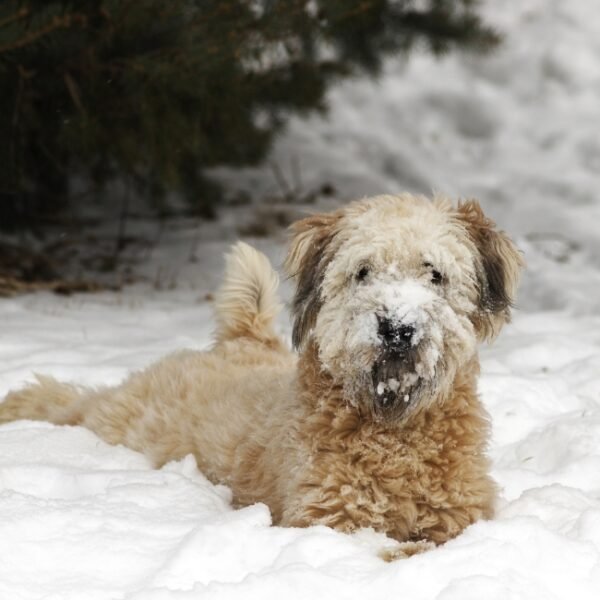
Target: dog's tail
x,y
44,400
247,303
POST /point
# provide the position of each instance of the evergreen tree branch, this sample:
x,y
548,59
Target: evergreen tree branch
x,y
154,93
21,14
56,23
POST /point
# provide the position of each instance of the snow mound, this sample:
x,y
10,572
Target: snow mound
x,y
80,518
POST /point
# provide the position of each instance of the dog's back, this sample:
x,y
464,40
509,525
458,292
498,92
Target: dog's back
x,y
202,403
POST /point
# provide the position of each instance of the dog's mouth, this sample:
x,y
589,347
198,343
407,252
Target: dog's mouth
x,y
395,385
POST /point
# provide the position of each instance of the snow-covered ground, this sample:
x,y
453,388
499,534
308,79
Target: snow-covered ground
x,y
83,520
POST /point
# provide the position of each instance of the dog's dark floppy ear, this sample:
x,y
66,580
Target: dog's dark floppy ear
x,y
309,254
498,264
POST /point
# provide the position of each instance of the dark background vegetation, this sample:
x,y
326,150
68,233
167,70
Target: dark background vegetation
x,y
152,93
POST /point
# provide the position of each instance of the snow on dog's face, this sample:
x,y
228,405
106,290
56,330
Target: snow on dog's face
x,y
396,292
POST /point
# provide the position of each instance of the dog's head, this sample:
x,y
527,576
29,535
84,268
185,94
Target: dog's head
x,y
396,292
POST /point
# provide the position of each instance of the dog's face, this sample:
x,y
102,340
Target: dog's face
x,y
396,292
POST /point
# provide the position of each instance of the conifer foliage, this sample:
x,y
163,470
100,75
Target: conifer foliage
x,y
153,92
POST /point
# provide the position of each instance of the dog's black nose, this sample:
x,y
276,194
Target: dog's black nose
x,y
395,335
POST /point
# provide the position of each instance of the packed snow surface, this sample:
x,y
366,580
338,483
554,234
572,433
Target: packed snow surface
x,y
80,519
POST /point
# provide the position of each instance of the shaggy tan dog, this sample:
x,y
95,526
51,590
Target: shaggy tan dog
x,y
376,422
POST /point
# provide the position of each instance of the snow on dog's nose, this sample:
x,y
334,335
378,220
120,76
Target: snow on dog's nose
x,y
395,336
406,307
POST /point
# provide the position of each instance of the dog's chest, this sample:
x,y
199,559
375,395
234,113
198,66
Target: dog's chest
x,y
372,465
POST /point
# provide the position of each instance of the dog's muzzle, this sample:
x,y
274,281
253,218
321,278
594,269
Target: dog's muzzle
x,y
392,395
393,375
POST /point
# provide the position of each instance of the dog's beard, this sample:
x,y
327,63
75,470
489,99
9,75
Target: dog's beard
x,y
389,385
395,386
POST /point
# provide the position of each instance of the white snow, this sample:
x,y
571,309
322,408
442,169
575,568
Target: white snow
x,y
407,303
391,384
83,520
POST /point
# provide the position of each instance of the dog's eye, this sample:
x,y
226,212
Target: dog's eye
x,y
362,273
436,277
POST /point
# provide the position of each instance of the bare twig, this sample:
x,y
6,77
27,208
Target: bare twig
x,y
296,174
74,92
122,223
286,191
11,286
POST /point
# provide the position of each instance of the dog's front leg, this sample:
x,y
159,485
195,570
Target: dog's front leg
x,y
349,507
337,510
405,550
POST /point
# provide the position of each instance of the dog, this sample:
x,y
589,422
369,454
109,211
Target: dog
x,y
374,420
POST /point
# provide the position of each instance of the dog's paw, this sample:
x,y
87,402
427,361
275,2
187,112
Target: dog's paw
x,y
405,550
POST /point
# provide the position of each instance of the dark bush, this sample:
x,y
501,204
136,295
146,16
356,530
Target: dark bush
x,y
152,92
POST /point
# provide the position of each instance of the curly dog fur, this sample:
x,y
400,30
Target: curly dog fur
x,y
375,421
